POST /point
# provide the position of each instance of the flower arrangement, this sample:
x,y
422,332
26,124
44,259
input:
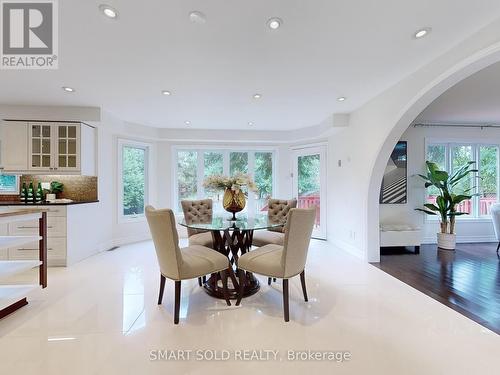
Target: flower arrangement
x,y
235,183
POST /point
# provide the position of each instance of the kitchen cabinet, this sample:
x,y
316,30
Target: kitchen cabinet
x,y
48,147
13,146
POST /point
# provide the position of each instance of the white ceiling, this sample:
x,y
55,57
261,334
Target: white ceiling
x,y
475,100
325,49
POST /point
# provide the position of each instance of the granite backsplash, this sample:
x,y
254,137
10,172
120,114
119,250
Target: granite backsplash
x,y
77,188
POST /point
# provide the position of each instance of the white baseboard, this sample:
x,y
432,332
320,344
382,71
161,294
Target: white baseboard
x,y
348,248
463,239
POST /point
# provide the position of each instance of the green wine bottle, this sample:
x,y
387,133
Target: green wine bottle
x,y
31,195
39,193
24,193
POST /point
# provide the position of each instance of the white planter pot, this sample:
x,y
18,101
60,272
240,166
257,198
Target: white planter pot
x,y
446,241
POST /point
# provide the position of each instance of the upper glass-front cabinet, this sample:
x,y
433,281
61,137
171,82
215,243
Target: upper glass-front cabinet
x,y
54,146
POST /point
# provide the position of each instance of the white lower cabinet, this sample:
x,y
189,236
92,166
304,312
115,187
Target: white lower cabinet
x,y
56,238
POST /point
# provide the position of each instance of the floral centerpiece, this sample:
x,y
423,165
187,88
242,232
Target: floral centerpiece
x,y
235,189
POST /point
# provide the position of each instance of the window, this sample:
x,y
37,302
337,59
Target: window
x,y
134,179
194,165
9,184
451,156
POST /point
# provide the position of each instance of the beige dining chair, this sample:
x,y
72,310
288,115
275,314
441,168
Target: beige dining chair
x,y
182,264
277,212
285,261
196,212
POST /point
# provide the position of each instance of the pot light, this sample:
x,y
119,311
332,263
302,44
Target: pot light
x,y
250,123
274,23
419,34
68,89
197,17
166,93
257,96
341,98
187,122
108,11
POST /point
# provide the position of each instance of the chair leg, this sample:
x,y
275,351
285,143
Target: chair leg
x,y
199,281
417,249
223,275
274,279
177,305
162,288
204,279
268,281
241,279
286,312
303,282
498,247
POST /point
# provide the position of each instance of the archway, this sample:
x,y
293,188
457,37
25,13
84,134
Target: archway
x,y
409,112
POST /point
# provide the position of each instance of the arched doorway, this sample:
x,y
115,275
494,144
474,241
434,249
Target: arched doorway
x,y
407,113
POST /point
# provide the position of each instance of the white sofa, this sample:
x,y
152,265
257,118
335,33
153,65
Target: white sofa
x,y
400,235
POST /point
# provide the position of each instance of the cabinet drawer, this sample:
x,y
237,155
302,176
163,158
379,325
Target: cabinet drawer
x,y
56,249
56,227
56,211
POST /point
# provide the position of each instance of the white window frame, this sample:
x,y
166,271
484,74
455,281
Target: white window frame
x,y
476,145
16,188
147,183
225,150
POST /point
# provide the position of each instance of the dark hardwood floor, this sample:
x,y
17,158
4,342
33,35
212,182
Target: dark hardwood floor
x,y
467,279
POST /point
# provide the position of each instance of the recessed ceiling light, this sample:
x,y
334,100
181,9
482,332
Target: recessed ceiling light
x,y
419,34
197,17
68,89
257,96
166,93
108,11
341,98
250,123
274,23
187,122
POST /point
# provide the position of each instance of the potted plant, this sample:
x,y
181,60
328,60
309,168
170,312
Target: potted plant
x,y
55,188
447,200
234,199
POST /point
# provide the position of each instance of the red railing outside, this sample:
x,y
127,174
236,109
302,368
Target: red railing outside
x,y
311,201
306,202
466,206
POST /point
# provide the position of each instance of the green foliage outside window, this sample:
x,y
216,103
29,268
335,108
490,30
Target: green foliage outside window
x,y
134,178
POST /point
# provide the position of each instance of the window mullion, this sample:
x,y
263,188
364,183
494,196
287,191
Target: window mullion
x,y
251,172
200,174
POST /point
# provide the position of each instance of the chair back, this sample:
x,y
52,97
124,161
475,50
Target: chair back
x,y
278,210
166,241
495,216
298,232
196,212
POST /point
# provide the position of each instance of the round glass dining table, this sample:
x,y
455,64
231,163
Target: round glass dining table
x,y
233,239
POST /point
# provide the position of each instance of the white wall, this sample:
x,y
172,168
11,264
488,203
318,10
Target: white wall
x,y
478,230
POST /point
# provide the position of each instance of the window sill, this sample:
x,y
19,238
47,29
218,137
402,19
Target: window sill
x,y
482,219
132,219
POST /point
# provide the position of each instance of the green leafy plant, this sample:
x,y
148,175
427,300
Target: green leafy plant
x,y
56,187
449,197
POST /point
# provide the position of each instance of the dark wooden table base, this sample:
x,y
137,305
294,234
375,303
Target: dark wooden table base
x,y
232,244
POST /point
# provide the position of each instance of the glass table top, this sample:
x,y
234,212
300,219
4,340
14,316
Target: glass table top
x,y
243,222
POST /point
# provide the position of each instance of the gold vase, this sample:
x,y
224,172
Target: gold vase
x,y
233,201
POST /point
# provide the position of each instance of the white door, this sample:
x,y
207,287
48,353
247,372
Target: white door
x,y
309,184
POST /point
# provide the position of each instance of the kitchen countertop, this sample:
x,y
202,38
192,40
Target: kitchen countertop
x,y
19,203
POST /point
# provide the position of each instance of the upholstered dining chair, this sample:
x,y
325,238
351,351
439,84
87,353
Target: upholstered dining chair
x,y
277,212
495,216
285,261
196,212
181,264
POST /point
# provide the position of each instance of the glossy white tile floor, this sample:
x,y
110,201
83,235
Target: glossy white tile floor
x,y
101,317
